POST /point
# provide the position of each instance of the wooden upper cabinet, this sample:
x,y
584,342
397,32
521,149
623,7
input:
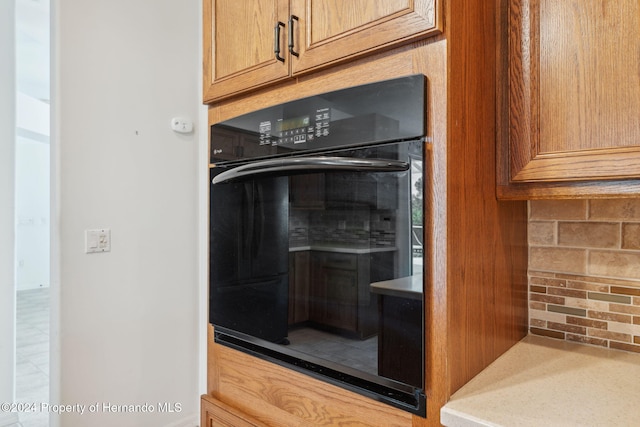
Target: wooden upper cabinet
x,y
239,42
331,31
574,90
240,37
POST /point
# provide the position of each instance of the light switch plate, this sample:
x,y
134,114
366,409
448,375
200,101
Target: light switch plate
x,y
98,240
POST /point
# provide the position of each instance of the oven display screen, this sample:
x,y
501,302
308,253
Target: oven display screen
x,y
295,123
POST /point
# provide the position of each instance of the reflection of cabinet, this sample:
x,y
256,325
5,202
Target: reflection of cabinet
x,y
299,265
240,37
574,93
340,294
307,191
345,189
349,189
233,145
340,287
335,292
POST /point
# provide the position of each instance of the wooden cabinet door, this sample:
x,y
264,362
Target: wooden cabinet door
x,y
239,37
574,96
214,413
331,31
239,42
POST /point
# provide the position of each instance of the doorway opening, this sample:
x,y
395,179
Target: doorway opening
x,y
32,206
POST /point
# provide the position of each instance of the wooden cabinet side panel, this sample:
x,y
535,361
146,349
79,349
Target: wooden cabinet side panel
x,y
431,60
486,239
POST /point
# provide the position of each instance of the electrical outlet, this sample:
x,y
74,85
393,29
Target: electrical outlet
x,y
98,240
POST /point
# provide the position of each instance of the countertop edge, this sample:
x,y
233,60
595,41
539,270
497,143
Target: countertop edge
x,y
453,418
546,381
403,287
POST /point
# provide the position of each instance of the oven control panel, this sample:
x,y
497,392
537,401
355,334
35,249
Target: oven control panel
x,y
296,130
372,113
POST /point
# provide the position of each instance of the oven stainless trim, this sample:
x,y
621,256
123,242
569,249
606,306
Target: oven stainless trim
x,y
311,165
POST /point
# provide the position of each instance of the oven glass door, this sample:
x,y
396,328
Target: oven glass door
x,y
319,259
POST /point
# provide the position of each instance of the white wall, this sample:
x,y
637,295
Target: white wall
x,y
7,205
127,321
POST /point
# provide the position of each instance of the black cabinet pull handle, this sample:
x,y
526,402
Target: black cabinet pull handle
x,y
291,44
277,41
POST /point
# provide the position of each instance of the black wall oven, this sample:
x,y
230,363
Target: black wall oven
x,y
316,260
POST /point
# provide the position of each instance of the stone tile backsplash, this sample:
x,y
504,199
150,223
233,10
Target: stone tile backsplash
x,y
584,271
342,227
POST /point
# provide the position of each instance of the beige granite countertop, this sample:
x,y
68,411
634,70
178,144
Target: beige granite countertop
x,y
547,382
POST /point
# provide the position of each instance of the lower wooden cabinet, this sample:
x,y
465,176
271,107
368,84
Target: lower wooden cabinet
x,y
214,413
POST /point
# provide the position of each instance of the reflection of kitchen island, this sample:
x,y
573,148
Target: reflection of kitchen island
x,y
400,329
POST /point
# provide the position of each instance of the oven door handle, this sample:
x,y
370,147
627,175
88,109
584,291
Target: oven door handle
x,y
298,165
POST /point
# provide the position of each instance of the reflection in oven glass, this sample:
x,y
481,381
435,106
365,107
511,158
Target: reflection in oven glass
x,y
350,236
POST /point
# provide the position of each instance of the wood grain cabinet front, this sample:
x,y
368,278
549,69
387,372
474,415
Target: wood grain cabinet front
x,y
574,91
248,45
214,413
